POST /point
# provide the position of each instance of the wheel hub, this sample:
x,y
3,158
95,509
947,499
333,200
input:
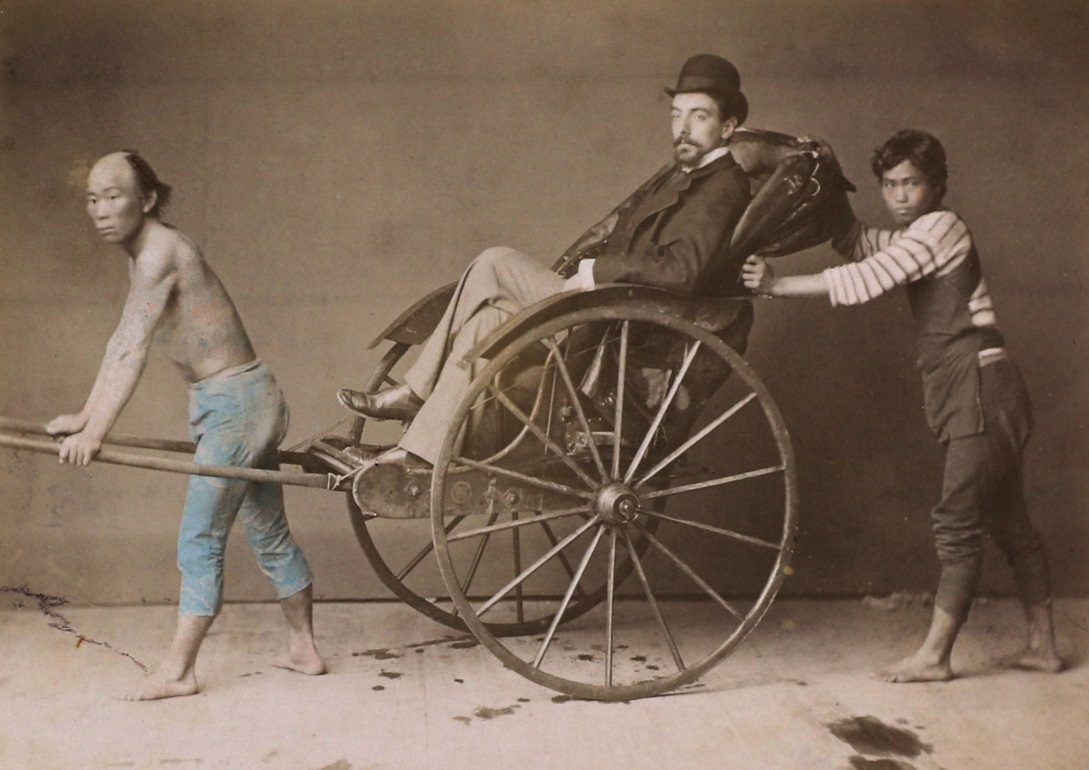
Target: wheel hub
x,y
616,503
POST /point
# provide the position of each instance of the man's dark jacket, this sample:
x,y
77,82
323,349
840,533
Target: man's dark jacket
x,y
674,231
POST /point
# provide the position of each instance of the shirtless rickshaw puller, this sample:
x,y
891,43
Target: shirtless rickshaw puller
x,y
237,416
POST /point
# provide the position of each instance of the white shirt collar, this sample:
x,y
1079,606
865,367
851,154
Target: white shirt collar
x,y
710,157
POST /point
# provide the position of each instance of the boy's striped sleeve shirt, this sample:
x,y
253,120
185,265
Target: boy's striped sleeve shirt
x,y
934,244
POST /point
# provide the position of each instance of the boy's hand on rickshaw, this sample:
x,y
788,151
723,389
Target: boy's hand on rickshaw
x,y
80,448
757,275
65,425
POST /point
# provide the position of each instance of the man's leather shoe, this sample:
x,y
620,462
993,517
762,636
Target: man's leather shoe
x,y
398,403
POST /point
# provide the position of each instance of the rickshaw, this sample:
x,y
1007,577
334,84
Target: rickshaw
x,y
614,506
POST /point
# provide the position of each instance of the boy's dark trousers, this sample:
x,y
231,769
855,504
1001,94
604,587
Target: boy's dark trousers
x,y
983,491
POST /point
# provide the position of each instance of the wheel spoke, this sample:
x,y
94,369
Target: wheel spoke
x,y
551,403
717,530
519,593
531,480
541,518
415,561
610,590
638,564
567,597
666,402
537,565
538,400
475,563
712,482
689,572
561,555
695,439
618,418
541,436
572,392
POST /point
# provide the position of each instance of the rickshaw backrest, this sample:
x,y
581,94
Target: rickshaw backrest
x,y
799,194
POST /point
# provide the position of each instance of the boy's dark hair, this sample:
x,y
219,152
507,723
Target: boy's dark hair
x,y
148,182
923,150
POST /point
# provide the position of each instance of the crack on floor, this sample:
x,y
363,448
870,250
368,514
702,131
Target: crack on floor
x,y
61,623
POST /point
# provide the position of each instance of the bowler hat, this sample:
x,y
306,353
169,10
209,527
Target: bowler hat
x,y
710,74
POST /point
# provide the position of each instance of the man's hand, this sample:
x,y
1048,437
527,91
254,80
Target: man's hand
x,y
758,275
66,425
80,448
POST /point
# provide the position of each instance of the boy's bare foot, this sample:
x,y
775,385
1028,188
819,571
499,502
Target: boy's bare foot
x,y
307,662
1039,652
1030,659
156,687
915,669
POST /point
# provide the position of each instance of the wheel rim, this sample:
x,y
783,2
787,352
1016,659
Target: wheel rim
x,y
618,509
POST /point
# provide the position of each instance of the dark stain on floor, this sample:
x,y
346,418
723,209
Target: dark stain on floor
x,y
869,735
487,713
340,764
378,688
484,713
464,645
862,763
435,642
587,656
381,653
561,698
391,674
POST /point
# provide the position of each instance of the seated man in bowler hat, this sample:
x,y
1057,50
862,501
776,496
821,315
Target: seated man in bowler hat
x,y
673,232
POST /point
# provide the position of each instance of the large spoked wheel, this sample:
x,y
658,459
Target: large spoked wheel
x,y
644,458
400,552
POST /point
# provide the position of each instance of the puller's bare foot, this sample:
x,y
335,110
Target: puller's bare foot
x,y
156,687
1031,659
915,669
304,661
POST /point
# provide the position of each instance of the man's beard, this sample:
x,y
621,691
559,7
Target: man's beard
x,y
687,153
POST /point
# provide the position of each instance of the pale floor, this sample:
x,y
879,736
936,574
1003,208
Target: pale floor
x,y
404,692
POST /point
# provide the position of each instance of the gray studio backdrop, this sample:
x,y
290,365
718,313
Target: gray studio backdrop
x,y
336,160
